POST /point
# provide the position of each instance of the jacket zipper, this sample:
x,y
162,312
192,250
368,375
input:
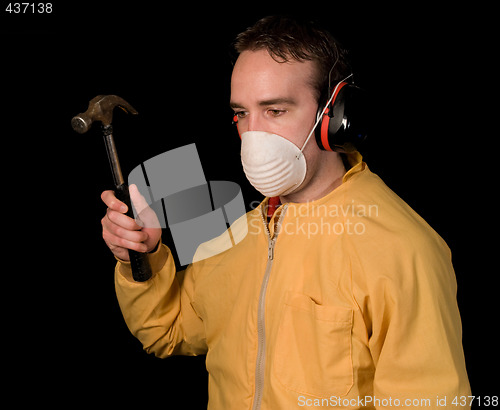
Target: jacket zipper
x,y
261,328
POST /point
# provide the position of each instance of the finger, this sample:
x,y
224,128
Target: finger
x,y
122,220
119,252
139,201
115,242
146,216
121,232
109,198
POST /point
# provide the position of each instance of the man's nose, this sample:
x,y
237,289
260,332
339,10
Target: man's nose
x,y
255,123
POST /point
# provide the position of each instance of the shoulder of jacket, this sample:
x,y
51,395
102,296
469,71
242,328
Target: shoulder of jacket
x,y
388,228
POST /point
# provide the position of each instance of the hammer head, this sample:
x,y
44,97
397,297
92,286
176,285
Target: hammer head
x,y
100,109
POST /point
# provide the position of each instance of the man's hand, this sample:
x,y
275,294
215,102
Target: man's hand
x,y
121,232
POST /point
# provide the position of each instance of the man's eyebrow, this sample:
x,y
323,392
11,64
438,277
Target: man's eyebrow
x,y
276,101
234,105
272,101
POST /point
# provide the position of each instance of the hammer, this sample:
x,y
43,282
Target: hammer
x,y
101,109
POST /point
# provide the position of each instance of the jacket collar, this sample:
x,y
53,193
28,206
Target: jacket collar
x,y
355,159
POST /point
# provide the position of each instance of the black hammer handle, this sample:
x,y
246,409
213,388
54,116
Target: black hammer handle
x,y
141,269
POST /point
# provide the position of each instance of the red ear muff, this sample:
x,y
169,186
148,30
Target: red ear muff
x,y
235,122
324,125
342,127
325,122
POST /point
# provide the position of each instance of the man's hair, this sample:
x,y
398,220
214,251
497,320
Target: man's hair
x,y
287,38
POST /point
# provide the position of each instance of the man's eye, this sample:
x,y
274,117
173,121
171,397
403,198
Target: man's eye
x,y
276,113
241,114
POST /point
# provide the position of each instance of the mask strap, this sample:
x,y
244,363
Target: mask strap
x,y
321,115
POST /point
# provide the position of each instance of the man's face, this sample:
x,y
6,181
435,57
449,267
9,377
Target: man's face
x,y
274,97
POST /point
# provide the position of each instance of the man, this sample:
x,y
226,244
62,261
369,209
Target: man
x,y
339,295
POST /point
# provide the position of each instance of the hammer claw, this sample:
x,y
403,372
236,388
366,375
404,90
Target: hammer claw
x,y
100,109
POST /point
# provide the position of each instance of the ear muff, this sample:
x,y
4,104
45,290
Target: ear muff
x,y
343,126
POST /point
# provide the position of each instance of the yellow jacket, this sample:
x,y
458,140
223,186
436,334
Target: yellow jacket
x,y
348,301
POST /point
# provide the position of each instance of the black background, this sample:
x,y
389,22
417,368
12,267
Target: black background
x,y
431,143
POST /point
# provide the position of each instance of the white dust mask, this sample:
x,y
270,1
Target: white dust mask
x,y
272,164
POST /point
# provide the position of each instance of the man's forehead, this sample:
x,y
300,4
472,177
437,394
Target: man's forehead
x,y
260,61
256,72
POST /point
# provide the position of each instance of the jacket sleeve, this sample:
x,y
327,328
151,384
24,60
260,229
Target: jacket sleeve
x,y
415,331
158,312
